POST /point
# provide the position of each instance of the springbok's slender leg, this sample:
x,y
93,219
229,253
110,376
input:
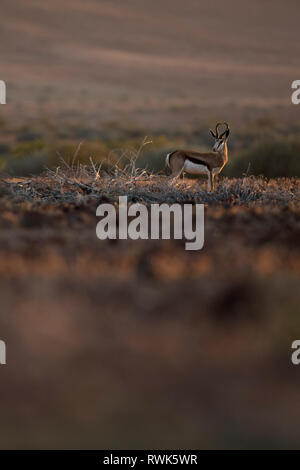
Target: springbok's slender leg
x,y
213,181
177,167
209,181
176,175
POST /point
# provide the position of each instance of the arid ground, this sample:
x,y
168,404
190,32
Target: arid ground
x,y
126,344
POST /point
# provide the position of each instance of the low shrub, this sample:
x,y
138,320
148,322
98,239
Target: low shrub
x,y
278,157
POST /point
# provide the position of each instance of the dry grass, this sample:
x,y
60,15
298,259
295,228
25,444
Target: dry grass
x,y
85,183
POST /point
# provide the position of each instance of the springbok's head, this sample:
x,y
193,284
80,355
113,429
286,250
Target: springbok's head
x,y
221,139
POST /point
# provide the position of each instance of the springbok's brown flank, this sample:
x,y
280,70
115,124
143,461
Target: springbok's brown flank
x,y
201,163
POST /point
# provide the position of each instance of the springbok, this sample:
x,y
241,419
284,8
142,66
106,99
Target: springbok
x,y
201,163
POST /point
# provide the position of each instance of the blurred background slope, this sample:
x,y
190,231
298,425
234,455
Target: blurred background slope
x,y
106,59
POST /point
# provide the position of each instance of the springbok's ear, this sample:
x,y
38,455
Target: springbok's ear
x,y
212,133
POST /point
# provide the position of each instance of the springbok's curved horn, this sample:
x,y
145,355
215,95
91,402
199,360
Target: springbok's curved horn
x,y
217,125
223,133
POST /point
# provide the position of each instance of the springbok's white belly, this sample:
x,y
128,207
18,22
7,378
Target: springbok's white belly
x,y
195,169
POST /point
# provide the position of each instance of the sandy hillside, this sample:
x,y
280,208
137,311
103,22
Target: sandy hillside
x,y
161,63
